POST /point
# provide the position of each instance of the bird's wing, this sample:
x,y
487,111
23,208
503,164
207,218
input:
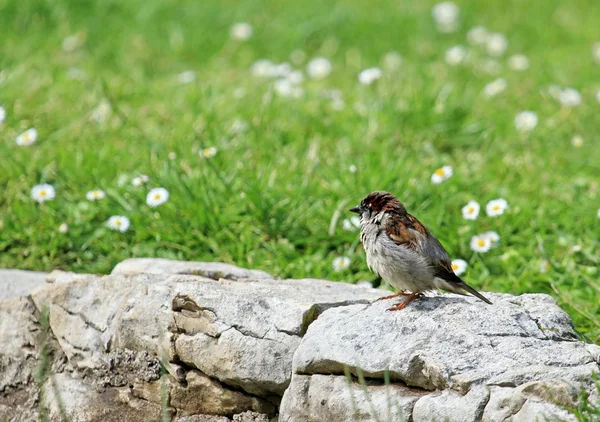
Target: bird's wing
x,y
409,232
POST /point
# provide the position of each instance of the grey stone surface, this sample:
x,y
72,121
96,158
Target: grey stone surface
x,y
251,349
214,270
331,398
478,361
15,283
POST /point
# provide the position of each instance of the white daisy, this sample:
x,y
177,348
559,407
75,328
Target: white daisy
x,y
492,236
283,87
72,42
341,263
370,75
480,243
545,266
208,152
186,77
446,15
43,193
241,31
351,224
319,68
598,213
295,77
157,196
352,168
496,207
456,55
95,195
27,138
490,66
495,87
262,68
596,51
471,210
118,222
459,266
526,121
2,115
496,44
392,60
577,141
63,228
172,155
569,97
140,180
477,35
101,113
441,174
518,62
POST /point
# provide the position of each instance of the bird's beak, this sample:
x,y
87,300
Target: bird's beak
x,y
356,209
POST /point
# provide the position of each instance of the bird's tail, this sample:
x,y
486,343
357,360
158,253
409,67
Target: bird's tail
x,y
474,292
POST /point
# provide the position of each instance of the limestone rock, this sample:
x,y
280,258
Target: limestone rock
x,y
214,270
477,360
331,398
15,283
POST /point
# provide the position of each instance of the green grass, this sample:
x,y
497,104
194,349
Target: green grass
x,y
267,199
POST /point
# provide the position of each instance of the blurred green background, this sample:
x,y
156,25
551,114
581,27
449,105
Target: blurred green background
x,y
102,83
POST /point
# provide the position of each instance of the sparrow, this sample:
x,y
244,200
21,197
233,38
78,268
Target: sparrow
x,y
403,252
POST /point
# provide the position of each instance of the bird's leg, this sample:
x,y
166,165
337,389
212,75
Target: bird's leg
x,y
404,303
400,293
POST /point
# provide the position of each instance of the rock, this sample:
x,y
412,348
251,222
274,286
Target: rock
x,y
331,398
202,394
477,361
20,333
214,270
64,395
15,283
152,345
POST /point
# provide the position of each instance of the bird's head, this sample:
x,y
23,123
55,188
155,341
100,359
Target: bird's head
x,y
377,203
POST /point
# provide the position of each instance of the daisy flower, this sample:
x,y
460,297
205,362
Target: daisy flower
x,y
101,113
95,195
341,263
446,15
459,266
262,68
63,228
370,75
518,62
441,174
477,35
577,141
496,207
480,243
43,193
490,66
392,60
569,97
496,44
598,213
492,236
2,114
119,223
319,68
208,152
241,31
351,224
545,266
525,121
456,55
186,77
140,180
157,196
352,168
27,138
494,88
596,51
471,210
